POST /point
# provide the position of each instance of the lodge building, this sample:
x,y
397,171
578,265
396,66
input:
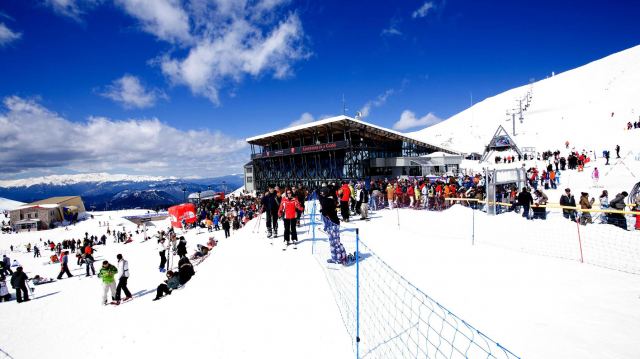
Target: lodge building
x,y
341,148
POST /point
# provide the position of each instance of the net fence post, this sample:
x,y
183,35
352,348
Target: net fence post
x,y
313,222
579,239
357,294
473,226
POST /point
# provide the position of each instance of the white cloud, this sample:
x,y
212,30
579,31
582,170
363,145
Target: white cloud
x,y
408,120
218,42
393,29
379,101
130,93
304,118
71,8
423,10
234,51
166,19
33,138
7,36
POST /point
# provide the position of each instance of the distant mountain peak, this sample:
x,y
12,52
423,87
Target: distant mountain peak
x,y
62,180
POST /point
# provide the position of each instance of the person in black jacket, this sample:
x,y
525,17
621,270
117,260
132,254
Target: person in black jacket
x,y
328,205
525,200
19,283
185,270
182,247
270,206
618,219
568,200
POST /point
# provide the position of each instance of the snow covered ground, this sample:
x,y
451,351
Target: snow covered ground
x,y
247,300
250,299
521,284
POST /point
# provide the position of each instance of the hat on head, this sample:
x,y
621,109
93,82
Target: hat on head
x,y
567,190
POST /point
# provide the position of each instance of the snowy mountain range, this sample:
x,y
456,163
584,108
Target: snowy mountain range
x,y
588,106
104,191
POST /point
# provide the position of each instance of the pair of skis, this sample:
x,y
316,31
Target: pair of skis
x,y
286,245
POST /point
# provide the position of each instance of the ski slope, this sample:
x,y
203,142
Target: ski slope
x,y
247,300
574,106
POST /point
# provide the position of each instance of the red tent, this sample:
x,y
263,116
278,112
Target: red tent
x,y
186,211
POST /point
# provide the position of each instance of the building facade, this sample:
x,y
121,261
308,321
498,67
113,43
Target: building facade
x,y
340,148
44,213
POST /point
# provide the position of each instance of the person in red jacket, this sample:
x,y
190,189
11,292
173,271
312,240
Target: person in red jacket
x,y
287,211
344,193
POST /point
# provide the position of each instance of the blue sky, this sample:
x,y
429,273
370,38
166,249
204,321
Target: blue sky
x,y
170,87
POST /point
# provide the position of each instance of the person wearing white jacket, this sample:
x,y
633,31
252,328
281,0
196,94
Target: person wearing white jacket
x,y
123,276
162,249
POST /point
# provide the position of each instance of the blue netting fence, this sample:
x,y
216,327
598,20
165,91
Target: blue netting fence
x,y
597,243
385,315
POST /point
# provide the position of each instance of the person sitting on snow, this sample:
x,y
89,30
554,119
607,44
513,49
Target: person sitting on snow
x,y
170,284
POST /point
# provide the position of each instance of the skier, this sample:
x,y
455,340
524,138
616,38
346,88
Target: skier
x,y
170,284
568,200
617,151
287,211
344,193
88,261
123,269
107,274
270,205
64,265
606,157
19,283
162,252
596,176
36,251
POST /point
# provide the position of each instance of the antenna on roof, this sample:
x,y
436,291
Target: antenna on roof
x,y
344,105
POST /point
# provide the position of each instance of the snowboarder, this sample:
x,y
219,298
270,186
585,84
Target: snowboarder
x,y
123,270
596,176
617,151
107,274
287,211
19,283
64,265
